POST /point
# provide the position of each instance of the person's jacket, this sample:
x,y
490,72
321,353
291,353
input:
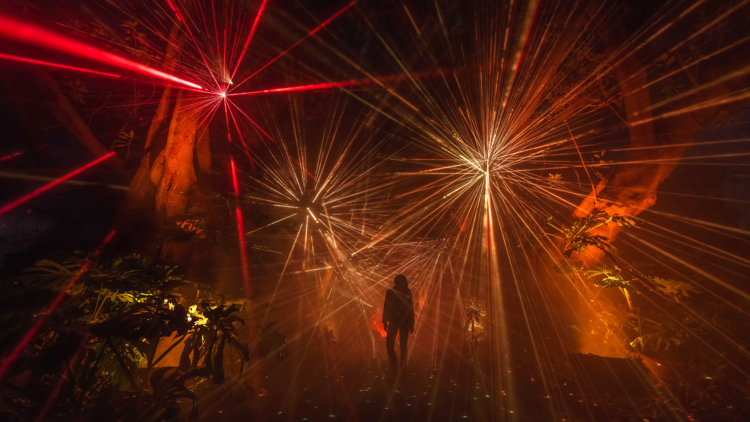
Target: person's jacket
x,y
398,309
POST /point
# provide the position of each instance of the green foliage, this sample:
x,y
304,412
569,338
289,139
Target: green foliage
x,y
652,330
612,278
579,237
114,315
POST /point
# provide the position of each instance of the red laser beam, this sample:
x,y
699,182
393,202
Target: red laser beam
x,y
311,33
27,33
241,235
51,185
300,166
243,251
57,65
255,124
239,132
62,378
174,9
234,178
11,156
310,87
330,85
5,365
249,37
200,51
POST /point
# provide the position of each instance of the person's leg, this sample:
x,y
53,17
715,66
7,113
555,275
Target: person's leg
x,y
403,338
390,342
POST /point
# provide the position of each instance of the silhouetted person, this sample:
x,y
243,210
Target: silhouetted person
x,y
398,319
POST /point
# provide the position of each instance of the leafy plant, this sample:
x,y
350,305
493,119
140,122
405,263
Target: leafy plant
x,y
100,32
474,322
554,180
115,314
271,342
579,237
131,31
676,289
652,329
602,162
612,278
656,330
124,140
568,267
76,90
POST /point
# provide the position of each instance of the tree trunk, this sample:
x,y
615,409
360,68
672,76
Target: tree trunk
x,y
178,174
168,187
177,178
170,60
136,214
67,114
203,155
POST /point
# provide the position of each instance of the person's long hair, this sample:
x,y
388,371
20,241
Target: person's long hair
x,y
401,284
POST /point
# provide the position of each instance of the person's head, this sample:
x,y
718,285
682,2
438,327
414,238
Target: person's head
x,y
400,282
